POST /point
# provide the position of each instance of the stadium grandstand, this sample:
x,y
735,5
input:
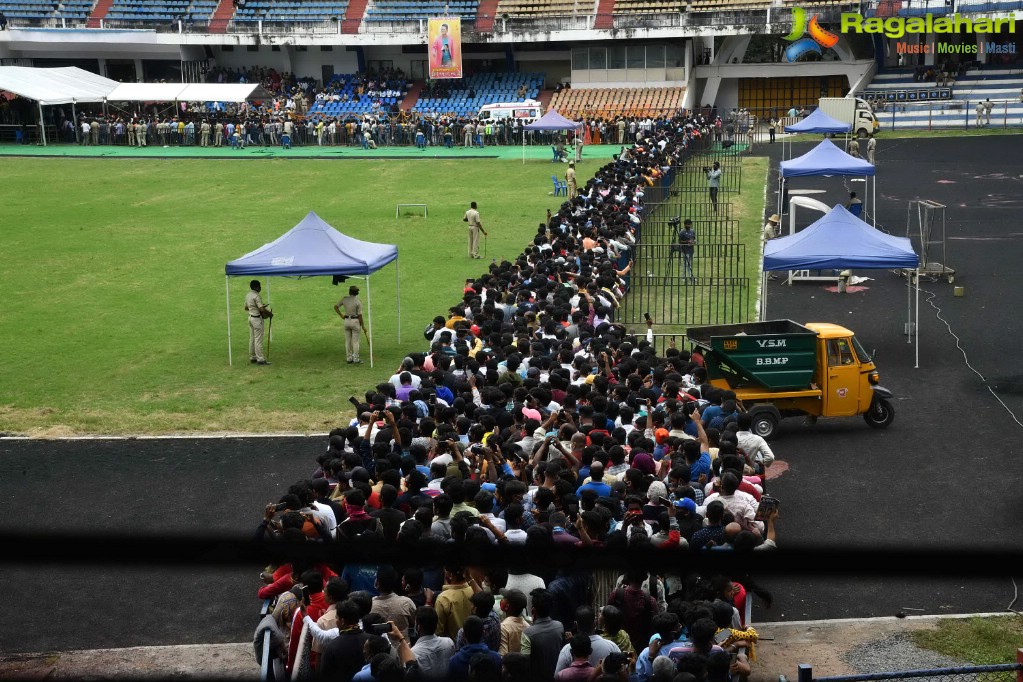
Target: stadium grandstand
x,y
479,90
615,102
406,10
296,11
564,54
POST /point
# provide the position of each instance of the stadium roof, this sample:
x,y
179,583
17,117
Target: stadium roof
x,y
55,86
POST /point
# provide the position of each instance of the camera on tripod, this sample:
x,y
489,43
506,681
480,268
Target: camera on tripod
x,y
676,221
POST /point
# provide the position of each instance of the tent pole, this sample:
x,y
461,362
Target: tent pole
x,y
873,214
763,295
397,291
369,304
227,282
792,231
271,334
917,366
42,124
74,119
909,308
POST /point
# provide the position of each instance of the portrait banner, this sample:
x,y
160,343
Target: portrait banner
x,y
444,37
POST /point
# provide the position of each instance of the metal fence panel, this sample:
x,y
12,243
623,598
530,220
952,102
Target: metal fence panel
x,y
715,229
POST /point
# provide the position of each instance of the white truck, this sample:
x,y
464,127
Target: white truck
x,y
853,110
527,111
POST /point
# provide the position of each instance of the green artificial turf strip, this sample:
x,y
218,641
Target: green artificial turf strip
x,y
115,318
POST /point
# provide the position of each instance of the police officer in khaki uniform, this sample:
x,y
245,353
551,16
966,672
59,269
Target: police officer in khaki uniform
x,y
257,312
472,216
349,309
570,180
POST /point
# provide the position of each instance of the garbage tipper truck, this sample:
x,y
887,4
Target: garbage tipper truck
x,y
781,369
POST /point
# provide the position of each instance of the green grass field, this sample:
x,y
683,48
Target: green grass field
x,y
981,641
677,301
115,319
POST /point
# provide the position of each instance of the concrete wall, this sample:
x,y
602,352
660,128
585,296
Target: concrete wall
x,y
302,63
719,84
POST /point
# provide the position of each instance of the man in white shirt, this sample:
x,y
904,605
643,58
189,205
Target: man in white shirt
x,y
432,652
753,445
742,505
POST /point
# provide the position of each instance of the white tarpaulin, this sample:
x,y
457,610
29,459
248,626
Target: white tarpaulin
x,y
222,92
55,86
187,92
71,84
146,92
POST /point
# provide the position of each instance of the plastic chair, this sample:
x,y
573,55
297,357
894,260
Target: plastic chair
x,y
285,141
559,187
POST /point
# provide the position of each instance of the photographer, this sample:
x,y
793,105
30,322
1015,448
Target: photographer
x,y
713,183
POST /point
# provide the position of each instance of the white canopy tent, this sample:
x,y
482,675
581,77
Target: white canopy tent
x,y
55,86
71,85
63,85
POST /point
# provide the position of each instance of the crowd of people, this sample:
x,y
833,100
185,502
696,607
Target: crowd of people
x,y
531,418
242,126
291,116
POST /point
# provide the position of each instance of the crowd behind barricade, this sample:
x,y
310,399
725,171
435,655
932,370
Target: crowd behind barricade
x,y
296,114
531,418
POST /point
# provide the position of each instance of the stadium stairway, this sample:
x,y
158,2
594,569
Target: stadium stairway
x,y
221,17
999,84
604,19
486,15
412,96
353,16
98,13
544,98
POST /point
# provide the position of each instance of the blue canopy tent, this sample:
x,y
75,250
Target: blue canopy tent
x,y
552,120
819,122
826,159
816,123
839,241
312,249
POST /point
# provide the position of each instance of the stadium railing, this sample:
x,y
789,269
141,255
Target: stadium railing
x,y
667,20
948,114
546,23
270,27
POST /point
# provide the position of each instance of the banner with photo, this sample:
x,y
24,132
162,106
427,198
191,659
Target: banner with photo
x,y
444,37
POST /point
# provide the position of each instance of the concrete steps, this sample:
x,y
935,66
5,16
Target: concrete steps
x,y
604,20
353,16
222,16
486,15
99,12
412,96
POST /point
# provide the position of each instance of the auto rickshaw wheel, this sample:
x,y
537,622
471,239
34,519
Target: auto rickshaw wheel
x,y
764,425
880,414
